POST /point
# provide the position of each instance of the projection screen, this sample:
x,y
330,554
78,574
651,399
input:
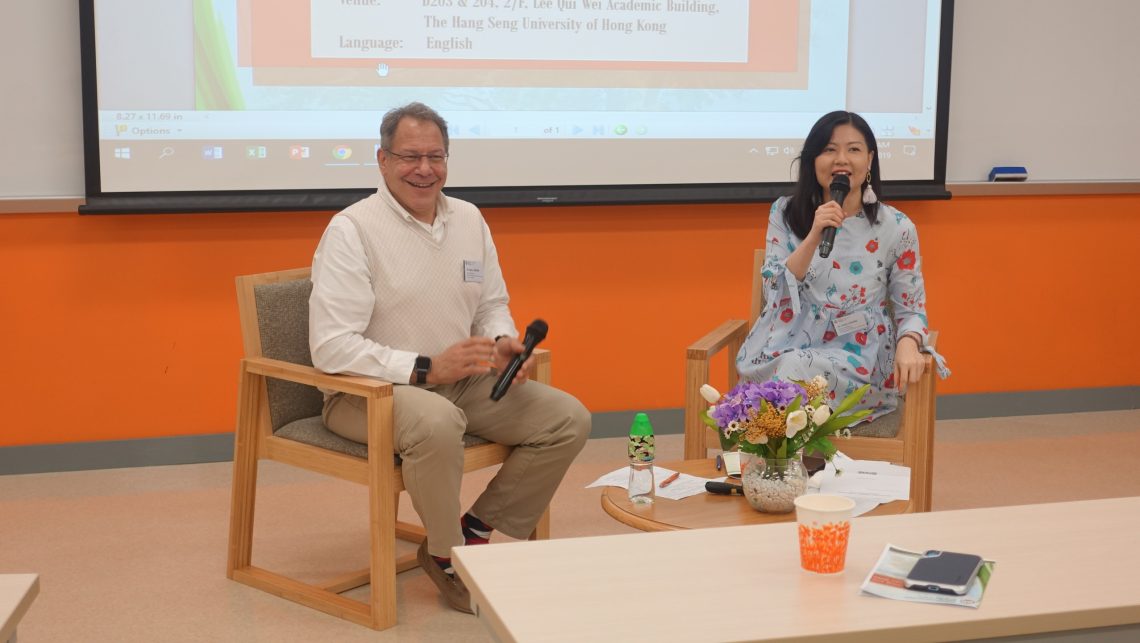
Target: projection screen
x,y
195,105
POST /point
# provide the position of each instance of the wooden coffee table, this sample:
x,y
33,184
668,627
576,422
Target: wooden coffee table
x,y
702,510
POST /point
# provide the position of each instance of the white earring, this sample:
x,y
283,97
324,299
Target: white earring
x,y
868,193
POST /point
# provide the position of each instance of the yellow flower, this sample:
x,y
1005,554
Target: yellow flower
x,y
815,387
761,426
755,437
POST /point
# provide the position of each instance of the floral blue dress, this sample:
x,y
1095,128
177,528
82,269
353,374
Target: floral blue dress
x,y
873,273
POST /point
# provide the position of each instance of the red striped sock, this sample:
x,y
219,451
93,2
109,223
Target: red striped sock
x,y
475,532
444,564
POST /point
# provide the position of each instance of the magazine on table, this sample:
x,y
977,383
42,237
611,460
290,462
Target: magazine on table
x,y
888,580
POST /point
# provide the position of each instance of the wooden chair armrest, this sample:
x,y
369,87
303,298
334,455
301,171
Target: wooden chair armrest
x,y
541,370
351,384
541,357
728,337
733,330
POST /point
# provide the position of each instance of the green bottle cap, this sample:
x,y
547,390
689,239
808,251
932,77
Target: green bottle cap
x,y
641,425
642,444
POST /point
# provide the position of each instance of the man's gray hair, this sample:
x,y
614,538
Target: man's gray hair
x,y
419,112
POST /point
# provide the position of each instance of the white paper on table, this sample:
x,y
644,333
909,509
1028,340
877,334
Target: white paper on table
x,y
867,479
684,486
619,478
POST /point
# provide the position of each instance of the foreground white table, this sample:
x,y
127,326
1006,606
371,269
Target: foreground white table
x,y
1061,566
17,591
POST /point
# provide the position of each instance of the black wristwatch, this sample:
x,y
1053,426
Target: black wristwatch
x,y
423,365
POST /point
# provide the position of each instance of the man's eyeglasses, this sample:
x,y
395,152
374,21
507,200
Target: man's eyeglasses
x,y
416,159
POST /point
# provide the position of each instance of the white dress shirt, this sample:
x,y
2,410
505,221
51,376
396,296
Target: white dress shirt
x,y
343,299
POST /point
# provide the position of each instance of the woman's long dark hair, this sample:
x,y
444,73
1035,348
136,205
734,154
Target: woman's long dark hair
x,y
808,194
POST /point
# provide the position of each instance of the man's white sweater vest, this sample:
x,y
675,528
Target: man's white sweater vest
x,y
425,299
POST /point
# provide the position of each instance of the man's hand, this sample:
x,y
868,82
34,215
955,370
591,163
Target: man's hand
x,y
469,357
909,362
505,349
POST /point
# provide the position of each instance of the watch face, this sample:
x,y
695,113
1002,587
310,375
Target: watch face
x,y
423,365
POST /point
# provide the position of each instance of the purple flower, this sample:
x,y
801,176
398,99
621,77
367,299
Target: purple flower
x,y
780,393
746,396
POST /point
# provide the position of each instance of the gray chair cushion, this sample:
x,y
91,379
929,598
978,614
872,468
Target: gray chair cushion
x,y
283,321
885,427
312,431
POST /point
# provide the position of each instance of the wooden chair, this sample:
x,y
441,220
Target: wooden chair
x,y
279,418
904,437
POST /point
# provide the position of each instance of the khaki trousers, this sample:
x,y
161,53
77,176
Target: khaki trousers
x,y
547,427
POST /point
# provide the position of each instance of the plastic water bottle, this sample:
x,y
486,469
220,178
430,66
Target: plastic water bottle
x,y
641,453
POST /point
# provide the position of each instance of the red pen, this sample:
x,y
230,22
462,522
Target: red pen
x,y
670,479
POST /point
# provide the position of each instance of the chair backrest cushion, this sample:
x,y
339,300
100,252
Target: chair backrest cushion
x,y
283,323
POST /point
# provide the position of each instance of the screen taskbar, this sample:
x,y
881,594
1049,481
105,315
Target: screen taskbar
x,y
313,164
278,125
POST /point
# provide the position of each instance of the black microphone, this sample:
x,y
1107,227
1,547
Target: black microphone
x,y
535,333
724,488
840,186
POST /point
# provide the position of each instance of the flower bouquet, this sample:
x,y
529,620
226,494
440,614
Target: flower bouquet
x,y
776,421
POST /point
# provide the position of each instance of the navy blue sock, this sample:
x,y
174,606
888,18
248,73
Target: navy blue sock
x,y
475,531
444,564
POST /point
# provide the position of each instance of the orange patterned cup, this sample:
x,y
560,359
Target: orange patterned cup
x,y
824,525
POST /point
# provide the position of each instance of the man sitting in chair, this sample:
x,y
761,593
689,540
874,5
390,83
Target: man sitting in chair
x,y
407,289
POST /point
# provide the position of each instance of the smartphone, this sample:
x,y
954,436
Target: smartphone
x,y
945,572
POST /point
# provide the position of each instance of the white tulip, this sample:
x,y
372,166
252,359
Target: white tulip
x,y
797,420
819,381
711,395
820,414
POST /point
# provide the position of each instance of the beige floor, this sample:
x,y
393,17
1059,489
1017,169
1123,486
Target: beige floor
x,y
139,554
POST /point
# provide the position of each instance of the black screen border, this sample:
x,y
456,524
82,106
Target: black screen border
x,y
100,202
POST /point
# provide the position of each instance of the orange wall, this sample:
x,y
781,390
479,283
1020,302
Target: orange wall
x,y
120,327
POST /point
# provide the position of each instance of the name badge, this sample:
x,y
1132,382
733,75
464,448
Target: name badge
x,y
850,323
472,271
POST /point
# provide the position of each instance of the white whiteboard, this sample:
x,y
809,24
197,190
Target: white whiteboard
x,y
1053,85
40,101
1049,84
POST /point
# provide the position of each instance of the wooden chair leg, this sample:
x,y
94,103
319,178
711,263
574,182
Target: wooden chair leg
x,y
542,528
382,513
406,532
244,490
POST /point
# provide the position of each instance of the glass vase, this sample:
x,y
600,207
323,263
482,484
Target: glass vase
x,y
771,485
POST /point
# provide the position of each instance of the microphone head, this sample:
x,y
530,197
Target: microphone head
x,y
537,329
840,183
